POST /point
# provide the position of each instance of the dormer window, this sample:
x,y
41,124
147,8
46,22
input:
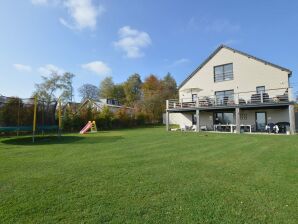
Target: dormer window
x,y
223,72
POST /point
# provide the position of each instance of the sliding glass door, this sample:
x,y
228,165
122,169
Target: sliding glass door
x,y
261,121
224,118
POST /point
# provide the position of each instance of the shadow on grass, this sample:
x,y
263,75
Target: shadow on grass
x,y
52,140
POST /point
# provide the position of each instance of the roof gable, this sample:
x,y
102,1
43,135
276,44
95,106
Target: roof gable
x,y
235,51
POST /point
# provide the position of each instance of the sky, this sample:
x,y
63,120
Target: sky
x,y
98,38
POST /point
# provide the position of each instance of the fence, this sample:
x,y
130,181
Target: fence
x,y
28,115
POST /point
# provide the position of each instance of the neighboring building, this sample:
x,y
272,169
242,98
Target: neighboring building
x,y
112,104
233,91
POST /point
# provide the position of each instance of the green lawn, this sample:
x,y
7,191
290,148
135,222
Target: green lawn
x,y
150,176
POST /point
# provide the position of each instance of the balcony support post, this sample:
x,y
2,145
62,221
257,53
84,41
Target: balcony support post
x,y
237,113
167,115
290,95
167,120
292,119
198,120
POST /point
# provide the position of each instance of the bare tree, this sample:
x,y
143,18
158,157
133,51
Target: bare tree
x,y
88,91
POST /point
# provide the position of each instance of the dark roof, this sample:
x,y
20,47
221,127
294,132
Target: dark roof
x,y
237,51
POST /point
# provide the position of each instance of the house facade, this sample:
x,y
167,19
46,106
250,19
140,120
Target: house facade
x,y
234,91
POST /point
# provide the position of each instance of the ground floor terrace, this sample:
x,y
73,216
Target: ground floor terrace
x,y
234,119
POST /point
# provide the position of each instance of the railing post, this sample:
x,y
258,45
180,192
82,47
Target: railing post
x,y
261,96
167,104
236,98
197,102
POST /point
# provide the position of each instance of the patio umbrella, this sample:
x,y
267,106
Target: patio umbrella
x,y
191,90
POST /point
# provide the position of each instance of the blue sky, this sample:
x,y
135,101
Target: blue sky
x,y
93,38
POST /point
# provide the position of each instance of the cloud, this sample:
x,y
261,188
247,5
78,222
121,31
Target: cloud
x,y
39,2
98,67
212,25
231,42
222,25
132,41
179,62
83,14
22,68
49,69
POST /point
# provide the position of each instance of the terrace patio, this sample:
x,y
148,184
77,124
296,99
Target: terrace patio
x,y
236,112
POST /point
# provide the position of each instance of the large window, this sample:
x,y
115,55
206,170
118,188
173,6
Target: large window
x,y
223,72
224,118
224,97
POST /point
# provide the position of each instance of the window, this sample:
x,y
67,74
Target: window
x,y
260,89
224,118
224,97
194,97
194,119
243,116
223,72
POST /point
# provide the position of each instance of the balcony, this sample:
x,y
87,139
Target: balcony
x,y
252,98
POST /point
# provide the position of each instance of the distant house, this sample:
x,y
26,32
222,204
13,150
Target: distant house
x,y
112,104
234,91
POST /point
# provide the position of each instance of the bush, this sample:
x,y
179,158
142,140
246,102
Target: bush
x,y
105,119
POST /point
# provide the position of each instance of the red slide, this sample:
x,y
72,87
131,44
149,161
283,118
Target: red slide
x,y
86,128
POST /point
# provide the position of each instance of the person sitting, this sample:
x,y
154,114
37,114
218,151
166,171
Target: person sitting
x,y
269,127
276,129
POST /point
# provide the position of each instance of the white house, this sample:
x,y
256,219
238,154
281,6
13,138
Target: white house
x,y
234,91
98,105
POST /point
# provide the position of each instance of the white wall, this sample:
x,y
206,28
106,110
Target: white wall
x,y
248,74
206,119
179,119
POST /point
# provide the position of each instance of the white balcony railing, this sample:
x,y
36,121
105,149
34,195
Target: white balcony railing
x,y
271,96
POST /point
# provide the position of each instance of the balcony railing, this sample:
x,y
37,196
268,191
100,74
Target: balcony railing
x,y
271,96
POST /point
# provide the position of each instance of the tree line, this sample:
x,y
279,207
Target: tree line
x,y
145,97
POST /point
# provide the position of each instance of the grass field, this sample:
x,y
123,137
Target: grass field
x,y
149,175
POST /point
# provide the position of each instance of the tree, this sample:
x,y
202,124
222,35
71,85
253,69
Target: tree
x,y
132,89
54,84
47,89
152,100
106,88
118,93
88,91
151,85
66,85
169,87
